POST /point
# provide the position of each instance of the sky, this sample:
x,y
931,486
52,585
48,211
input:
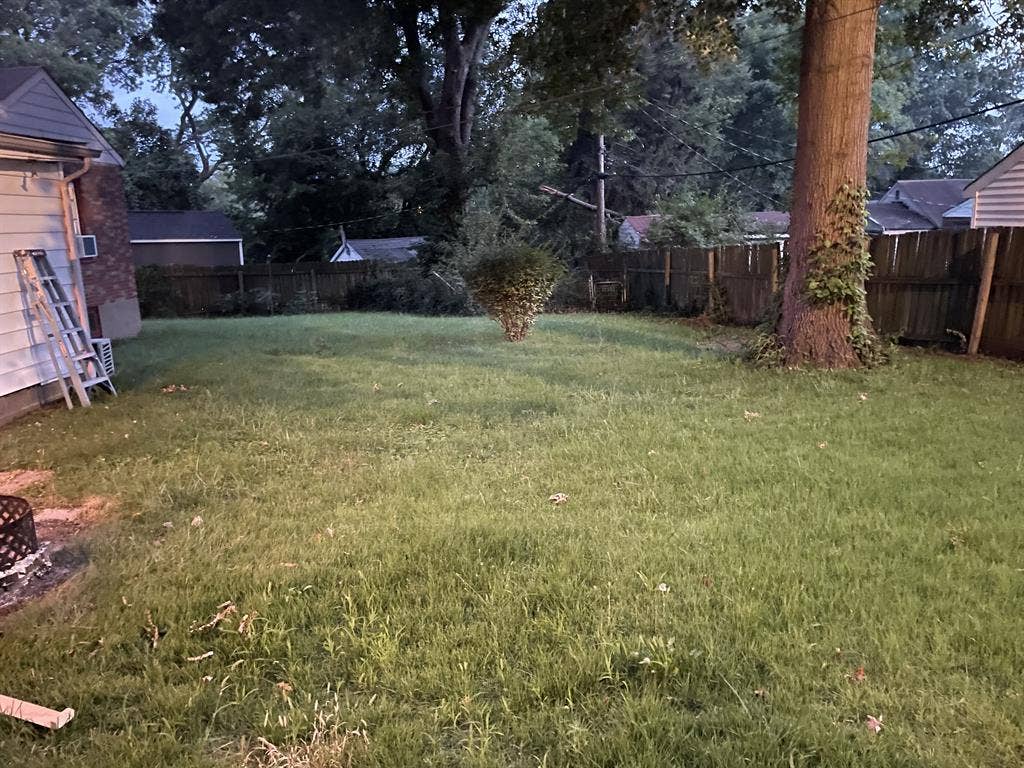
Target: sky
x,y
166,106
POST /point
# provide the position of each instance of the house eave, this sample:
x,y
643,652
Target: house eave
x,y
45,149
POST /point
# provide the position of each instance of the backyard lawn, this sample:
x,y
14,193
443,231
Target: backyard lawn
x,y
750,564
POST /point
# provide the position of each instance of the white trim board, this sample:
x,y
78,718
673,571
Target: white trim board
x,y
207,240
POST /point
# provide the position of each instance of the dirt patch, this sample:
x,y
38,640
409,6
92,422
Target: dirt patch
x,y
15,481
61,528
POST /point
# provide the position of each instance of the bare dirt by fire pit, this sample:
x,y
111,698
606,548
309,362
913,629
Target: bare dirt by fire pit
x,y
61,526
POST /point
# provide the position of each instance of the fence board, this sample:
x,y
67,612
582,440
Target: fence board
x,y
203,290
923,287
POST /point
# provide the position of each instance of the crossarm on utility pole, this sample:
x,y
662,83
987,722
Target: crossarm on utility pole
x,y
576,201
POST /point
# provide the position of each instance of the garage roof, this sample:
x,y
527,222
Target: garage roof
x,y
201,226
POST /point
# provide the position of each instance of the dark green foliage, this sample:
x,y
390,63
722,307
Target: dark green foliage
x,y
694,218
157,296
159,174
85,45
411,291
513,282
255,301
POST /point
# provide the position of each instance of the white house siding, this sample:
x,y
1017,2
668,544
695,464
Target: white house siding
x,y
43,111
1001,203
30,217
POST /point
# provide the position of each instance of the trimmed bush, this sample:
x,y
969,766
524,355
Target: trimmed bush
x,y
513,282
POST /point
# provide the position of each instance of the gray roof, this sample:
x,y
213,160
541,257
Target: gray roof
x,y
890,217
963,211
387,248
929,198
12,78
180,225
777,221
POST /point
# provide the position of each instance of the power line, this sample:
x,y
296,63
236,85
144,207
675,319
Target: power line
x,y
709,161
875,140
745,150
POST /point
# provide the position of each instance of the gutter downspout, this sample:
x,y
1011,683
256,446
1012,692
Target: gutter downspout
x,y
78,283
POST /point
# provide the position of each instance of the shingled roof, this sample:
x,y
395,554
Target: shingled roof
x,y
12,78
894,217
180,225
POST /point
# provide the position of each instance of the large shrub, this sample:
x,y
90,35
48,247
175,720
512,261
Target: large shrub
x,y
157,295
513,282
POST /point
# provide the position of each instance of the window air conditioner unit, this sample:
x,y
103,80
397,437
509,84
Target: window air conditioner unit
x,y
87,246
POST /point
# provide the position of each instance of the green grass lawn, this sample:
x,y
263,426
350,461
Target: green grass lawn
x,y
374,491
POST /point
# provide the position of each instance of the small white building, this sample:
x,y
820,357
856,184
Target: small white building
x,y
998,194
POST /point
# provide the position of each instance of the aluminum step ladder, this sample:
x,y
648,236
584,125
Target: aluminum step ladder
x,y
71,350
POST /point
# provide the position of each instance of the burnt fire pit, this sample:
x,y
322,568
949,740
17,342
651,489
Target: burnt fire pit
x,y
17,531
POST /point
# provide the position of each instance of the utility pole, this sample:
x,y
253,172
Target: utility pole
x,y
602,236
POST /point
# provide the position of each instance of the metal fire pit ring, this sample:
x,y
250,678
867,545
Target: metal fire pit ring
x,y
17,530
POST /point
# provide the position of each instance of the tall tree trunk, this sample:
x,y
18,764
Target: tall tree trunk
x,y
450,113
832,133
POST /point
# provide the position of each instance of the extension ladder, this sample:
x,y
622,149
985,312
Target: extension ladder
x,y
71,350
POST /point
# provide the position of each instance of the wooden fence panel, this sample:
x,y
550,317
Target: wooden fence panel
x,y
688,279
210,290
1004,324
645,280
744,273
924,284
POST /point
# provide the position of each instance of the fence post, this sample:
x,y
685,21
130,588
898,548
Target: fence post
x,y
774,275
313,286
667,256
241,284
988,267
711,281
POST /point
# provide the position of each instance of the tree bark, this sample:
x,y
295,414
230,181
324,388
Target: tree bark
x,y
834,112
449,114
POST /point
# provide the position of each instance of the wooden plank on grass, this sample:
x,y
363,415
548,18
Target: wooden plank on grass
x,y
34,713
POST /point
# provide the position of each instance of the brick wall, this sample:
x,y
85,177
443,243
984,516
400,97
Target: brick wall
x,y
109,277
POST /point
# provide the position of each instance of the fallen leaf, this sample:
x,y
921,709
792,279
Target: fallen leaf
x,y
245,623
284,689
197,521
823,444
558,498
223,611
207,678
168,525
200,657
857,676
289,565
863,396
751,415
152,631
874,724
376,387
760,693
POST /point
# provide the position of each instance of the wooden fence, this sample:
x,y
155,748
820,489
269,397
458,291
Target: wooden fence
x,y
190,291
924,287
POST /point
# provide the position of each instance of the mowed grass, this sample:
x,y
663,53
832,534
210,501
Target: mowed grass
x,y
374,492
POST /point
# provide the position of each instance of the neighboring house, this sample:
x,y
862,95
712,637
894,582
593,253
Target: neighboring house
x,y
196,238
998,194
634,230
392,249
915,205
59,179
770,225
